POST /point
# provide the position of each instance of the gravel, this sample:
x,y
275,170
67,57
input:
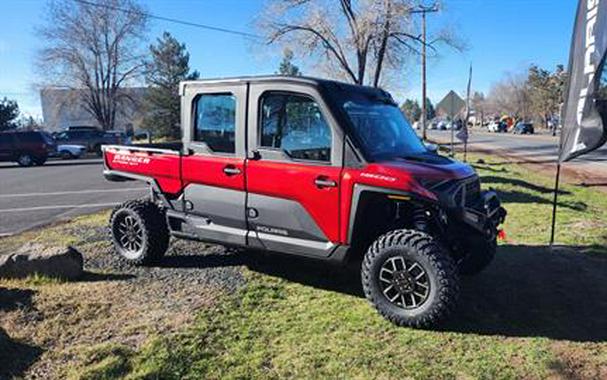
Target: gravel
x,y
186,263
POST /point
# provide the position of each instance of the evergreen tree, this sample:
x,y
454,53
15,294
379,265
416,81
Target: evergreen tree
x,y
430,111
286,65
169,66
412,110
9,110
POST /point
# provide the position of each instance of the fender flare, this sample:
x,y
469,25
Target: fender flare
x,y
360,189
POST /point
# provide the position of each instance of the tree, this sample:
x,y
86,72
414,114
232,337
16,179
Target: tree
x,y
430,111
28,123
354,40
286,65
535,94
9,110
546,92
169,65
412,110
94,49
510,96
479,104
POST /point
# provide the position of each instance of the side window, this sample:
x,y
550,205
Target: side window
x,y
295,124
5,139
215,123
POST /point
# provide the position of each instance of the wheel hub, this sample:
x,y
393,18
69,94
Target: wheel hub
x,y
404,282
130,234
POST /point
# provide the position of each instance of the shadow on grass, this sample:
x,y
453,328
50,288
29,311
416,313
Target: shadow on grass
x,y
488,180
15,357
533,291
528,291
515,196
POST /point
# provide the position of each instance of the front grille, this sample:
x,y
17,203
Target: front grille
x,y
472,190
467,191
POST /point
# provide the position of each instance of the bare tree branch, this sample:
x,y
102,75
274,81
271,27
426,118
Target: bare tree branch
x,y
95,49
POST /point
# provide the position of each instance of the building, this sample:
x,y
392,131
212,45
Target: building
x,y
62,108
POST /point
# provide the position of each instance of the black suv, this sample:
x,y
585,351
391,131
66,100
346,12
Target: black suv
x,y
26,148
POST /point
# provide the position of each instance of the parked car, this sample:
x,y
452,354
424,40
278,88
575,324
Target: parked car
x,y
523,129
26,148
82,128
91,139
497,127
361,186
70,151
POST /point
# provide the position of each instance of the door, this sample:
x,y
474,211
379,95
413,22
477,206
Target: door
x,y
213,167
293,171
6,147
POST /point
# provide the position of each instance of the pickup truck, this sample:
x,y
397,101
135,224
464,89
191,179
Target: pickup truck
x,y
313,168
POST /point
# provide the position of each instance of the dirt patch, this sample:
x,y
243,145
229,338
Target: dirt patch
x,y
113,304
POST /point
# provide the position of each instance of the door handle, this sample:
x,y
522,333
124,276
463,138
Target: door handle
x,y
322,182
231,170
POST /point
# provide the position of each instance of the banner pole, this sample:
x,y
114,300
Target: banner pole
x,y
554,203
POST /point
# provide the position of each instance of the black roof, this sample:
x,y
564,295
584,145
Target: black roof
x,y
317,82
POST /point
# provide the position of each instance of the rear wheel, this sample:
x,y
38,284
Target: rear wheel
x,y
25,160
139,232
40,160
66,155
409,279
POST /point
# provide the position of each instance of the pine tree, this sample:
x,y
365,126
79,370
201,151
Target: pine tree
x,y
411,109
286,65
169,66
9,110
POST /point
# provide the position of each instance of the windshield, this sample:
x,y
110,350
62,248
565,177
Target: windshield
x,y
382,129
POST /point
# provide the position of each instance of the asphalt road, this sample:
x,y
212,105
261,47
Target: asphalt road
x,y
58,190
542,148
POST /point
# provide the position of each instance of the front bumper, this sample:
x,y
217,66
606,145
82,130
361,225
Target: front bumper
x,y
484,215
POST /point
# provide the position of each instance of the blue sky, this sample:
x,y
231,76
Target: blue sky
x,y
503,36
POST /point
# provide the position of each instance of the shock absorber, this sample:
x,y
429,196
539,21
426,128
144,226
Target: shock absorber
x,y
420,218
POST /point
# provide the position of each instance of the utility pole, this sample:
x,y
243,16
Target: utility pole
x,y
423,10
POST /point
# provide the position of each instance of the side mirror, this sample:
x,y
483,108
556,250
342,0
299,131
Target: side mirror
x,y
432,148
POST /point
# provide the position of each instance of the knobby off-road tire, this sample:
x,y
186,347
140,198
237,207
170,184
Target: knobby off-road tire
x,y
139,232
422,289
480,253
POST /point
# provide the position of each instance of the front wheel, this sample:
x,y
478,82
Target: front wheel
x,y
25,160
139,232
409,279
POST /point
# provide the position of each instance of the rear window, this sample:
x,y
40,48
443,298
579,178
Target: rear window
x,y
5,138
29,137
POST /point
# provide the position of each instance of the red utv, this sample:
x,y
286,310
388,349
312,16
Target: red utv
x,y
313,168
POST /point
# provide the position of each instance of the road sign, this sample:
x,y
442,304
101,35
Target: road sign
x,y
452,104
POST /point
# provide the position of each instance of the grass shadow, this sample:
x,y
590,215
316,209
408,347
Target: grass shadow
x,y
533,291
528,291
15,357
515,196
487,180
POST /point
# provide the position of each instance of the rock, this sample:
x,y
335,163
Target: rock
x,y
58,262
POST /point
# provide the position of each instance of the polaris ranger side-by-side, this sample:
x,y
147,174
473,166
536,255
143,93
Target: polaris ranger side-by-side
x,y
313,168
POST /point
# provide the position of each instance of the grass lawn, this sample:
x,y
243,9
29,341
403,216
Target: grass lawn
x,y
534,313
